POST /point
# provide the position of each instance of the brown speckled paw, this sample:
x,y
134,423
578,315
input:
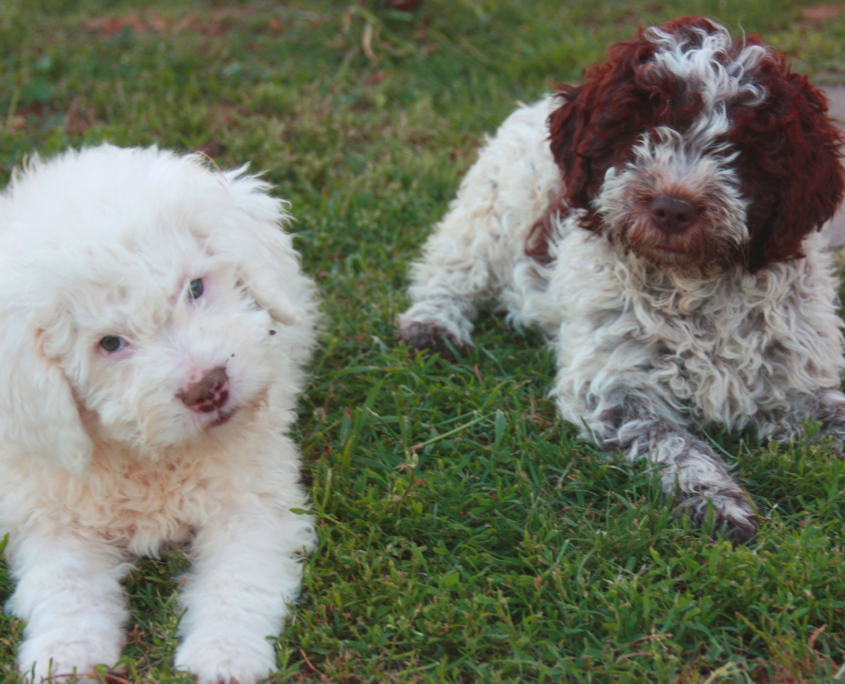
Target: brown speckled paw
x,y
739,528
430,337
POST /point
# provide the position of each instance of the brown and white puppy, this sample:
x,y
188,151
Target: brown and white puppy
x,y
659,223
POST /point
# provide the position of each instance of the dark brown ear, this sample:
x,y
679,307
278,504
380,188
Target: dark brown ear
x,y
599,121
624,97
789,163
566,125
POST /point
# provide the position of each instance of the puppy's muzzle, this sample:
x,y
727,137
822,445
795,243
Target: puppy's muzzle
x,y
209,394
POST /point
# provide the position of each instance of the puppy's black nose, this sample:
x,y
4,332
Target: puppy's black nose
x,y
672,215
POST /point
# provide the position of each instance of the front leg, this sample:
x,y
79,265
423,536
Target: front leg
x,y
68,592
470,258
691,472
246,569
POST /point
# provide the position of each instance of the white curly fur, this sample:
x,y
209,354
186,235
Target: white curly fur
x,y
645,351
100,460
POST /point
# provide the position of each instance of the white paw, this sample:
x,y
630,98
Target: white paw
x,y
226,660
61,653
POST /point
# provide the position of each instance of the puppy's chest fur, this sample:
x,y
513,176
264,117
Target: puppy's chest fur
x,y
141,504
730,349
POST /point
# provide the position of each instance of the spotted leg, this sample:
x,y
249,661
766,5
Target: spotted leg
x,y
690,471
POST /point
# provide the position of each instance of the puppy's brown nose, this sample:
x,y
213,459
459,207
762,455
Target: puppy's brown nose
x,y
209,394
672,215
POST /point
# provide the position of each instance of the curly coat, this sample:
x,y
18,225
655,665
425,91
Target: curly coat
x,y
658,222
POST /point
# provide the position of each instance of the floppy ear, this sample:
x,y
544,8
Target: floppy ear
x,y
599,121
790,163
38,413
256,240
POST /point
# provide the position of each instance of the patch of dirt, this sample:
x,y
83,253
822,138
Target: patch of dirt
x,y
216,23
78,118
821,12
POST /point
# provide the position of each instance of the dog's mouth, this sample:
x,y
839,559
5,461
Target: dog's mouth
x,y
248,407
698,244
223,418
654,244
666,249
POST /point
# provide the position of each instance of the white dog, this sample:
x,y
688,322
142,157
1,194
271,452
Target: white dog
x,y
155,328
657,223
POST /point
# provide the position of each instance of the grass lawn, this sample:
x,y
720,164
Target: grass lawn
x,y
467,535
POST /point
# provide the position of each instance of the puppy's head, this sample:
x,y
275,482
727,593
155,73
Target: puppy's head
x,y
688,148
146,300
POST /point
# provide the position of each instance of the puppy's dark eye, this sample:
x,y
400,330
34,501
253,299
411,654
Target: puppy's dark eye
x,y
196,288
112,343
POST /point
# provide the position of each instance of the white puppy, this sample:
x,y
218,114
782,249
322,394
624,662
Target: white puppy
x,y
155,327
